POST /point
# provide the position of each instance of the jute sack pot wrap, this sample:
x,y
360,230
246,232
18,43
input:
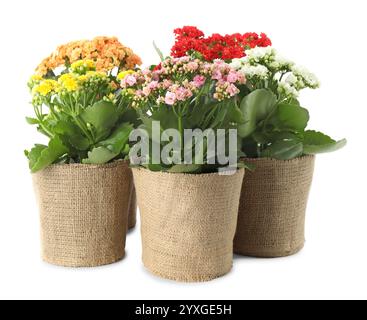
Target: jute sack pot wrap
x,y
188,223
84,213
271,221
132,209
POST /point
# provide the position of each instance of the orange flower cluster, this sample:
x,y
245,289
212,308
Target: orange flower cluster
x,y
107,53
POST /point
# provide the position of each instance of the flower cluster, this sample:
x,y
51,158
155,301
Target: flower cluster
x,y
107,53
228,47
180,81
81,78
264,67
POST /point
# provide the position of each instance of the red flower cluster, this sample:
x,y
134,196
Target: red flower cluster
x,y
228,47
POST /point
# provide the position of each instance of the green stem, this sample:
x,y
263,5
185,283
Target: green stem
x,y
41,123
48,133
259,150
84,128
180,129
282,76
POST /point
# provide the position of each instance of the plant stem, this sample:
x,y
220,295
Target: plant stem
x,y
41,123
48,133
84,128
180,129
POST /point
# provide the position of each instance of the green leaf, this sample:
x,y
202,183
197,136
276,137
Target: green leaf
x,y
284,150
119,138
32,121
220,116
102,116
161,56
294,101
246,165
131,116
249,147
34,154
154,167
100,155
317,142
234,114
43,156
73,135
199,113
290,117
167,118
185,168
260,138
283,135
255,107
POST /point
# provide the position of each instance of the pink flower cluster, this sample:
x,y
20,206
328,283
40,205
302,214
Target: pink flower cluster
x,y
181,80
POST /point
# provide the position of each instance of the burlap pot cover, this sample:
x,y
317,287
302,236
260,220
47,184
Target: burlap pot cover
x,y
84,213
188,223
271,221
132,209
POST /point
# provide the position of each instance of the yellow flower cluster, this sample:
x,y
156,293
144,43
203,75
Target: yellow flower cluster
x,y
83,66
69,82
96,74
91,75
124,74
107,53
36,78
46,87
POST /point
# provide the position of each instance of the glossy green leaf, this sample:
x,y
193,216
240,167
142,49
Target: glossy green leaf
x,y
131,116
185,168
317,142
235,115
73,135
290,117
284,150
119,138
154,167
100,155
249,147
275,136
255,107
34,154
103,116
32,121
43,157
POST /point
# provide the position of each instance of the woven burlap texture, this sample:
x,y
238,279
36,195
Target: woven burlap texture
x,y
84,213
188,223
271,221
132,209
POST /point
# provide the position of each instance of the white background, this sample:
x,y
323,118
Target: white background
x,y
326,36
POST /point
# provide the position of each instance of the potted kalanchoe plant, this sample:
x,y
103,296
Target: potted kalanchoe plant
x,y
276,140
110,56
83,185
273,136
188,210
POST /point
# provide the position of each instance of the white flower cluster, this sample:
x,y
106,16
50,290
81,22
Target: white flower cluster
x,y
266,64
306,78
259,71
251,71
287,90
268,57
260,54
